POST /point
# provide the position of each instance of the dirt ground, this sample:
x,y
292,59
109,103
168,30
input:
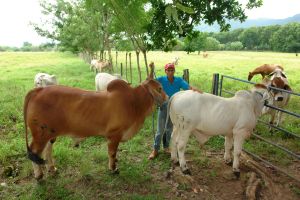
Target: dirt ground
x,y
216,181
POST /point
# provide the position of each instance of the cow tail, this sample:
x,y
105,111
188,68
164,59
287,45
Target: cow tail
x,y
168,113
32,156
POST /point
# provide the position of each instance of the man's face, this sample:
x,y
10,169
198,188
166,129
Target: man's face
x,y
170,72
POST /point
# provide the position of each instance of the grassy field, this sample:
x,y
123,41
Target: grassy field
x,y
84,170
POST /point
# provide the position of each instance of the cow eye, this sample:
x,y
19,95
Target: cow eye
x,y
159,89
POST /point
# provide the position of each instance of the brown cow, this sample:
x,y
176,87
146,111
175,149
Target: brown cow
x,y
117,114
264,70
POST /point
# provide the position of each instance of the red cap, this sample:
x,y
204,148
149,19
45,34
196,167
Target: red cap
x,y
169,65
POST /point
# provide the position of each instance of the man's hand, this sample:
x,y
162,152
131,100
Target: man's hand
x,y
196,90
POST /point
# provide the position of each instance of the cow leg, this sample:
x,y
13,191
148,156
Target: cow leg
x,y
181,146
238,140
112,153
48,157
228,147
279,115
37,150
174,155
272,119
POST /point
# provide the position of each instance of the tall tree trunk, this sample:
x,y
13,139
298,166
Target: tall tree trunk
x,y
146,62
138,64
130,66
116,61
126,64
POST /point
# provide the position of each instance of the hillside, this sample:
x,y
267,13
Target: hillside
x,y
250,23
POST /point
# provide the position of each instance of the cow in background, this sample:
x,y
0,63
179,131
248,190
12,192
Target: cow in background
x,y
43,80
103,79
278,80
264,70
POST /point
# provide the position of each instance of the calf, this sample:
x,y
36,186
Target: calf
x,y
117,114
43,80
205,115
280,98
264,70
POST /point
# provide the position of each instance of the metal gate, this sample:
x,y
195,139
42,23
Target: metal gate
x,y
218,89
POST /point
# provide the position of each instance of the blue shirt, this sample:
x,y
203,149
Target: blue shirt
x,y
172,88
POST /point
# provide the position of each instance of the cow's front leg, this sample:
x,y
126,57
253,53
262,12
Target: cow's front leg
x,y
228,146
239,138
112,154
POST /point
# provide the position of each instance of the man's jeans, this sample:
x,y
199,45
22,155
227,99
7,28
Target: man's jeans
x,y
162,115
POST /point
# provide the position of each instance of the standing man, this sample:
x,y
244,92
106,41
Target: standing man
x,y
171,85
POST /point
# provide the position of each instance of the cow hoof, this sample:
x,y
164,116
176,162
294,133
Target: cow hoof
x,y
229,163
115,171
237,174
39,177
53,171
187,172
175,163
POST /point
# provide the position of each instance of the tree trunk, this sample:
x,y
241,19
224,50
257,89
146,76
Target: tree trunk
x,y
116,61
126,60
130,66
138,64
146,62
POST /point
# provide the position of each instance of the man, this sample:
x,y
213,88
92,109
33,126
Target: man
x,y
171,85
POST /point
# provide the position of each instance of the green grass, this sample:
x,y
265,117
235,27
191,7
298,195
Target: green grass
x,y
84,171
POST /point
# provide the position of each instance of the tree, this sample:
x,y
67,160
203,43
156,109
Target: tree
x,y
250,38
286,37
211,44
236,46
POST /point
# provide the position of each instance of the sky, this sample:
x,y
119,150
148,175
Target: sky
x,y
15,16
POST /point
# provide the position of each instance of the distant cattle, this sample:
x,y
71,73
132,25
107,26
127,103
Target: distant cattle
x,y
205,115
43,80
205,54
264,70
175,60
100,65
117,114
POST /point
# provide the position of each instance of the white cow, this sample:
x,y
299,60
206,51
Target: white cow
x,y
205,115
43,80
103,79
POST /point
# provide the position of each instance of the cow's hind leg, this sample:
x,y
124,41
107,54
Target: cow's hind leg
x,y
228,146
181,146
34,153
48,157
112,153
238,140
174,139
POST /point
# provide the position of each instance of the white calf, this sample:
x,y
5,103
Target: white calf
x,y
206,115
43,80
103,79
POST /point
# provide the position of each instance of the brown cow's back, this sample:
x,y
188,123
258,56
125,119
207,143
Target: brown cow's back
x,y
66,110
